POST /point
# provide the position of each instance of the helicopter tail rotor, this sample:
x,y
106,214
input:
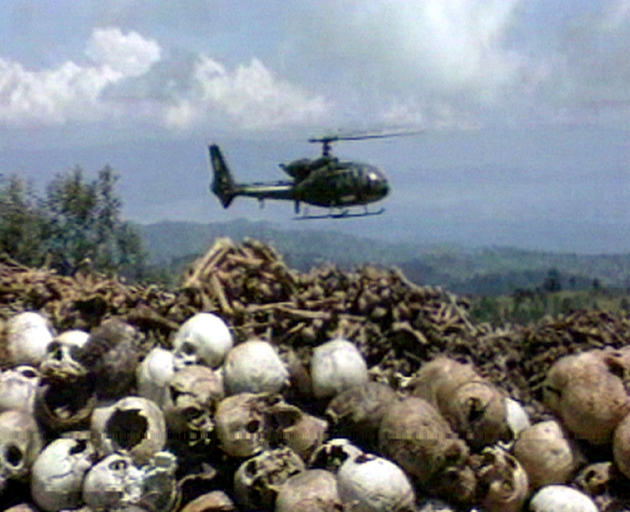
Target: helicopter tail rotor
x,y
223,185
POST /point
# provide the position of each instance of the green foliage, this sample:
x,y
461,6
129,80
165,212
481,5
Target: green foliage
x,y
77,223
21,222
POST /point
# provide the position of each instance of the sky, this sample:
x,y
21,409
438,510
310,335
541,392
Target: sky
x,y
523,107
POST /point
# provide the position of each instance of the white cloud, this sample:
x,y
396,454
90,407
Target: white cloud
x,y
427,57
130,55
592,67
251,95
128,79
72,91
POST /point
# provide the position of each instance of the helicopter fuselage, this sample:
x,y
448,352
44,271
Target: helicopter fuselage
x,y
334,185
342,184
325,182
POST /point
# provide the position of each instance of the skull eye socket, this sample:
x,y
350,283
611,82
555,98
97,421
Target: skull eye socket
x,y
118,465
80,446
252,426
175,393
13,455
54,350
191,413
188,348
28,373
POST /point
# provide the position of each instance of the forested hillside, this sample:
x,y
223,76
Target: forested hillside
x,y
489,271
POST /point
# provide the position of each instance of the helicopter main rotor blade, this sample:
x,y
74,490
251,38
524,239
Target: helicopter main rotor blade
x,y
361,136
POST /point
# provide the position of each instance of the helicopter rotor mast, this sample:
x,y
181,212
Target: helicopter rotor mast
x,y
327,140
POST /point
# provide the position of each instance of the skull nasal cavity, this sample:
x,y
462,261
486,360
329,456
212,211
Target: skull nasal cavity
x,y
126,428
13,455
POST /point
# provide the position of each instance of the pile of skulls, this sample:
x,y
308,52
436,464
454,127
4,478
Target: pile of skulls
x,y
258,388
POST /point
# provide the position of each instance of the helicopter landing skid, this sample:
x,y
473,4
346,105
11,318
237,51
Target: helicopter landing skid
x,y
345,213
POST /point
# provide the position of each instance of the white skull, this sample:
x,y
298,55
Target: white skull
x,y
202,339
115,483
58,472
28,335
18,387
194,393
20,444
553,498
132,424
333,453
254,367
337,365
367,483
154,374
58,363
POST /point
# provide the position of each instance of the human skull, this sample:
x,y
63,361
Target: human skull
x,y
154,374
313,490
586,393
28,335
473,406
18,387
193,393
367,483
111,356
116,484
415,436
241,425
257,480
337,365
254,367
63,405
358,411
57,474
516,417
595,479
202,339
502,481
215,501
554,498
133,424
113,483
20,444
59,363
22,507
302,432
548,454
333,453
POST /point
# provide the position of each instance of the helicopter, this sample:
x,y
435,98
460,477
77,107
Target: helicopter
x,y
325,182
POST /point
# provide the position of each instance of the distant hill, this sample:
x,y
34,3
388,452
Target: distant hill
x,y
488,271
168,241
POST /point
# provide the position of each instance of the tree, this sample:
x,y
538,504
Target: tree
x,y
552,282
21,222
83,224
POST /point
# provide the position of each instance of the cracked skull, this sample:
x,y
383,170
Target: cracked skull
x,y
57,474
194,392
133,424
20,444
241,425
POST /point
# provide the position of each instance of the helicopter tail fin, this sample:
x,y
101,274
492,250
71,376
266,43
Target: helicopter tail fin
x,y
223,185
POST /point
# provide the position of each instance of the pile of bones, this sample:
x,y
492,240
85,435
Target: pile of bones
x,y
257,388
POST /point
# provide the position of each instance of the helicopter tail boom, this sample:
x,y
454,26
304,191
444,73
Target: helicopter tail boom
x,y
223,185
